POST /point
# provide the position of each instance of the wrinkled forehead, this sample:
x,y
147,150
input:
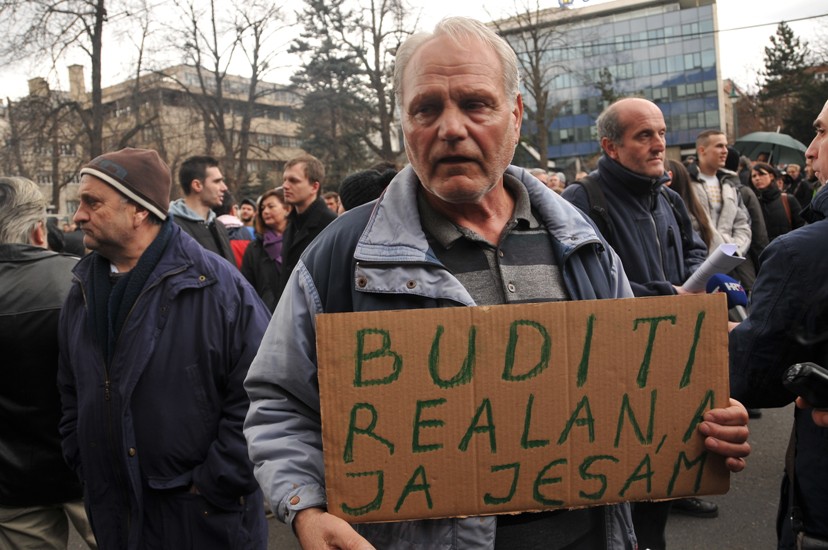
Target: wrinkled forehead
x,y
451,57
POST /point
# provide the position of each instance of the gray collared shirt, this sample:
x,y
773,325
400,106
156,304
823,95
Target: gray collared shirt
x,y
520,268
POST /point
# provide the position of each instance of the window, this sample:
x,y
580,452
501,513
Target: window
x,y
692,60
708,59
675,63
658,66
264,140
711,119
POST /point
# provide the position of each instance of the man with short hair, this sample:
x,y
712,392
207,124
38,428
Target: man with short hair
x,y
302,181
333,201
458,227
555,183
37,489
650,229
204,188
247,214
541,174
787,325
227,215
156,337
718,192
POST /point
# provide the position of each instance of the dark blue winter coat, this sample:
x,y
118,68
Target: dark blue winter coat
x,y
789,308
157,437
646,230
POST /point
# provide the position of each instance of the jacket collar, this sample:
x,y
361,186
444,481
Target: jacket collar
x,y
394,232
177,258
23,253
311,215
179,209
769,193
818,208
722,174
633,182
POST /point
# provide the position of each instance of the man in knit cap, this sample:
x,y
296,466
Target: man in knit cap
x,y
156,337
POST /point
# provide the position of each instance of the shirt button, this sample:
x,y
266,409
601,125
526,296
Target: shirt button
x,y
362,282
410,285
294,500
511,287
500,253
132,451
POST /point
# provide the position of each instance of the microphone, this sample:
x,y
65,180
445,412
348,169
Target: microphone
x,y
733,289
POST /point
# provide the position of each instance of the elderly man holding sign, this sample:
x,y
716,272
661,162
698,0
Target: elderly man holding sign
x,y
459,227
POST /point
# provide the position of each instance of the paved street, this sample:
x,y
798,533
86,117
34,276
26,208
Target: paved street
x,y
746,514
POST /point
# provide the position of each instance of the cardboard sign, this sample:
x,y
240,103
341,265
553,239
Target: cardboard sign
x,y
489,410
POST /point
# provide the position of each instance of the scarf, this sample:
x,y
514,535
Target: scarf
x,y
273,246
109,304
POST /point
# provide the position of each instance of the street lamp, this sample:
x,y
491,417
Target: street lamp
x,y
734,97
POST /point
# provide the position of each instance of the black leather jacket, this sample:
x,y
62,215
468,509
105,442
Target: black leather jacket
x,y
33,285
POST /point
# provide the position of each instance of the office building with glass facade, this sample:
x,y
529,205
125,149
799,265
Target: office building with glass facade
x,y
664,50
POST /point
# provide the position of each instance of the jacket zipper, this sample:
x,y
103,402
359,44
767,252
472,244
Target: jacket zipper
x,y
109,426
108,395
653,204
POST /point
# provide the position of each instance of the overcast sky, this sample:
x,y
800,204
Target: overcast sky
x,y
745,29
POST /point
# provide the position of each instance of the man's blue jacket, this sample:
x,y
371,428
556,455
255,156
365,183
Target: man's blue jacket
x,y
646,230
788,323
167,414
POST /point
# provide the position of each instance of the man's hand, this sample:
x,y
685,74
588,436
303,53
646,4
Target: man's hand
x,y
316,529
726,433
820,416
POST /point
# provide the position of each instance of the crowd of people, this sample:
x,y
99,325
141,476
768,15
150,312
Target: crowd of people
x,y
161,390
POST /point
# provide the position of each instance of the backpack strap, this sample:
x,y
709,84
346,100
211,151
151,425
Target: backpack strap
x,y
787,206
598,208
686,241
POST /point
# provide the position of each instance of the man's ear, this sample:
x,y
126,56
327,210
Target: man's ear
x,y
141,215
197,186
610,148
38,235
517,112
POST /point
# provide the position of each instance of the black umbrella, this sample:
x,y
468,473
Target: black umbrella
x,y
782,148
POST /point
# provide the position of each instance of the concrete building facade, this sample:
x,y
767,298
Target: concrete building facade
x,y
157,111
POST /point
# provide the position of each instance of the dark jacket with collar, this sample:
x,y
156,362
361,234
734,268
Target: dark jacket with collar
x,y
790,299
262,272
301,230
168,412
210,233
646,233
35,283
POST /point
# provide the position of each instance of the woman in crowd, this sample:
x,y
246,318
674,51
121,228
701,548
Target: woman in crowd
x,y
262,260
680,183
780,210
